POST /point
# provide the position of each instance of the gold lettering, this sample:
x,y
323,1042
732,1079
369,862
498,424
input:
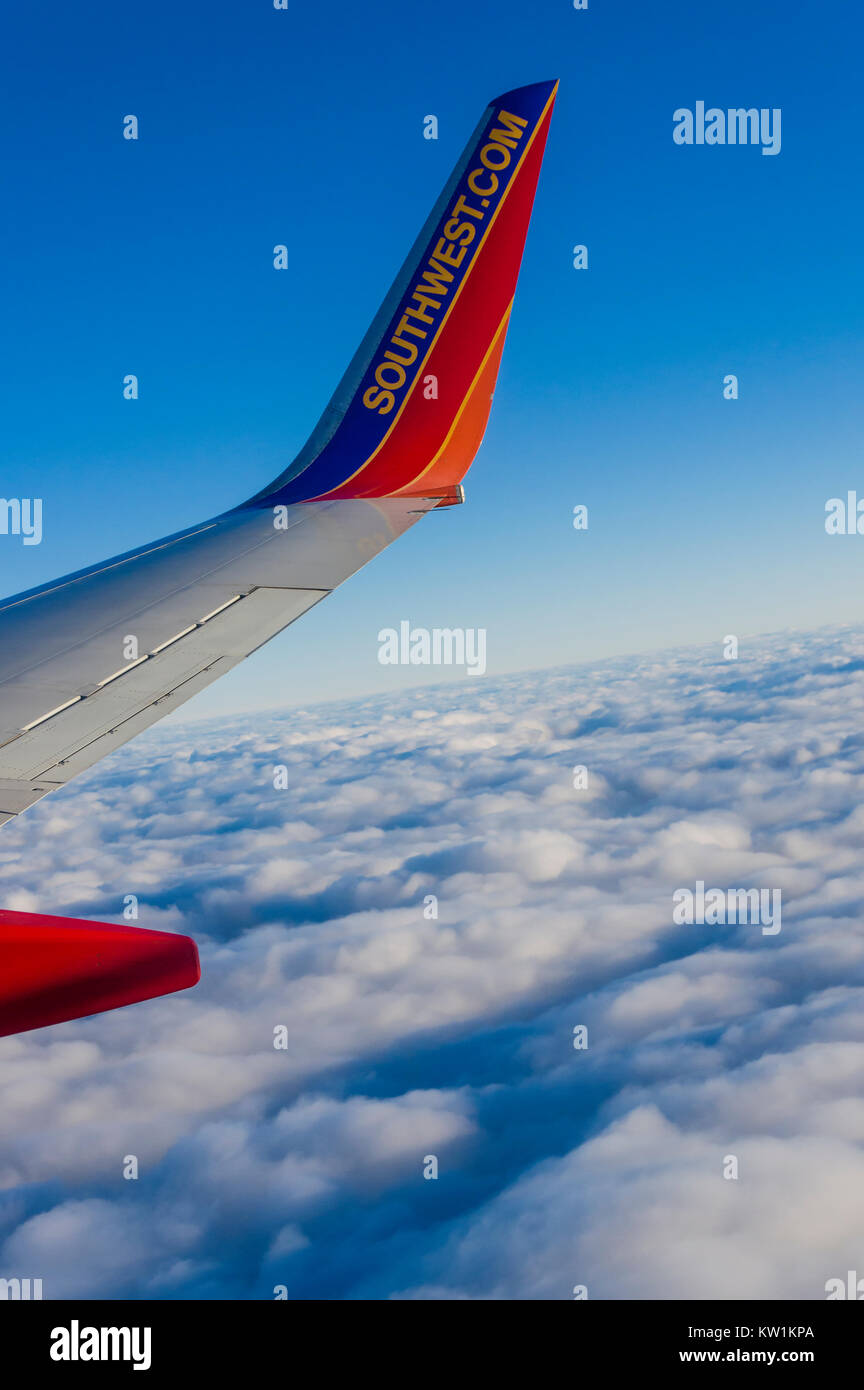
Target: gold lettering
x,y
436,278
482,192
462,206
425,303
513,132
390,367
373,399
405,327
454,230
444,251
488,150
394,356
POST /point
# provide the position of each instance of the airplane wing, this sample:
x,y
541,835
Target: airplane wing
x,y
91,660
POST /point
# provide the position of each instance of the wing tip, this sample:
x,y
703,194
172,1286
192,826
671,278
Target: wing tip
x,y
542,91
383,426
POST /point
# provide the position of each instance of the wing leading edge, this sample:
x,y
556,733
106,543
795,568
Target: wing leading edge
x,y
394,442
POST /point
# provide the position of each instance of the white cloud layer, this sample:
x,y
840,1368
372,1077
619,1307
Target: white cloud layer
x,y
409,1036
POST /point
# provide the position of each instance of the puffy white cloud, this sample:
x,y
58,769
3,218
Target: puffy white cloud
x,y
643,1211
409,1035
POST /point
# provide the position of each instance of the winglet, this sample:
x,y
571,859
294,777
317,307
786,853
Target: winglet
x,y
410,412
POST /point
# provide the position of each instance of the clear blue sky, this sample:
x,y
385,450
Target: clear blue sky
x,y
260,127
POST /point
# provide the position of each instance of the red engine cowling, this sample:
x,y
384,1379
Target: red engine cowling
x,y
56,968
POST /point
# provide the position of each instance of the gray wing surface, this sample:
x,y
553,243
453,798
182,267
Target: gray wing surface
x,y
196,603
